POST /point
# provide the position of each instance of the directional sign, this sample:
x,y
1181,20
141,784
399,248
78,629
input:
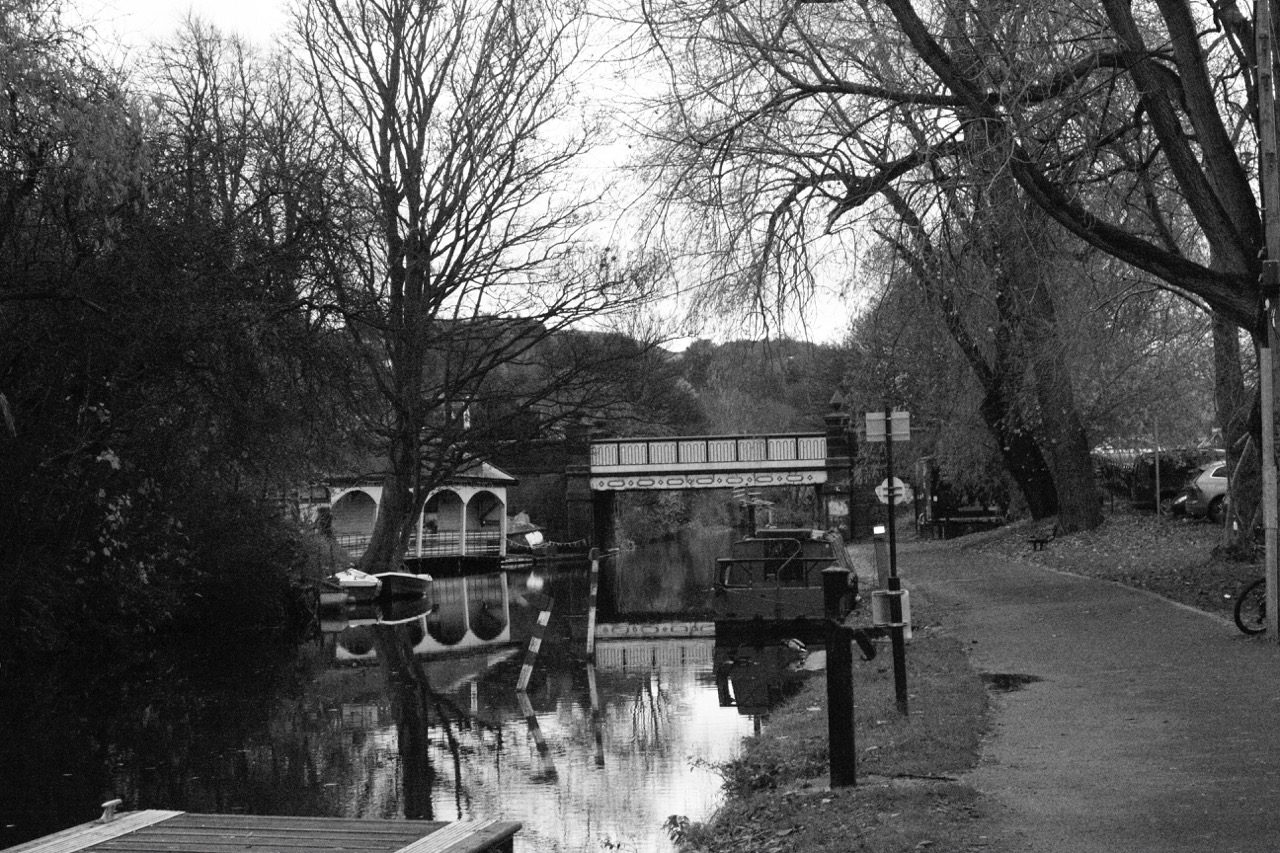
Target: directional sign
x,y
894,491
901,426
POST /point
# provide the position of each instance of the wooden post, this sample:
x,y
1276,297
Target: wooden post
x,y
842,750
548,770
597,729
535,644
596,557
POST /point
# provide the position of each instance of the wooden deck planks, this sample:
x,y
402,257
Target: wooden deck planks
x,y
467,836
179,832
93,834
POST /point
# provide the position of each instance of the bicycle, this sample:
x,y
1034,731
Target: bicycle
x,y
1251,607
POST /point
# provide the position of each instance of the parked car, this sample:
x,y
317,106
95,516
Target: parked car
x,y
1205,493
1178,465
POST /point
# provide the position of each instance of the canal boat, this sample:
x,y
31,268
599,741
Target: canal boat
x,y
770,585
397,585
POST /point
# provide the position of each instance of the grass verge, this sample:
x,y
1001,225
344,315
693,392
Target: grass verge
x,y
908,796
1177,558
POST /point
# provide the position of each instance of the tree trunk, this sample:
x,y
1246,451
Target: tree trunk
x,y
396,510
1062,429
1022,457
1240,421
1024,247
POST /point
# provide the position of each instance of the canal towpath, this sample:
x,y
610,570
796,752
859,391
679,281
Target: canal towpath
x,y
1141,724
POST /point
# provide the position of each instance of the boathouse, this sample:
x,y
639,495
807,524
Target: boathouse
x,y
466,517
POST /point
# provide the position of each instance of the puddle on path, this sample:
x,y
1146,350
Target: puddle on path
x,y
1007,682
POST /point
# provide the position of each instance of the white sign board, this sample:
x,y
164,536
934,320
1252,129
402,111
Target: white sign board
x,y
896,492
901,426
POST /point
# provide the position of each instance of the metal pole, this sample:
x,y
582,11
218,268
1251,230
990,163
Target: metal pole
x,y
895,583
851,437
1269,178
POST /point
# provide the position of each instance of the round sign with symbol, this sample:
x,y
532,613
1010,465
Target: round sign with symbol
x,y
895,491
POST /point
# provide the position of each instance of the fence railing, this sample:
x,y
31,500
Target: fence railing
x,y
447,544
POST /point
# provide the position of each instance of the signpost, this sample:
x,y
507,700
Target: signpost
x,y
890,426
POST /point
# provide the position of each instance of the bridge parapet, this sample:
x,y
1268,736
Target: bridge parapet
x,y
683,462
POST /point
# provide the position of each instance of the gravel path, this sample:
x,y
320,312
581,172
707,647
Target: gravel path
x,y
1148,726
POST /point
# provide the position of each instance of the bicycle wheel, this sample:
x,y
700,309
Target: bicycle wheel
x,y
1251,608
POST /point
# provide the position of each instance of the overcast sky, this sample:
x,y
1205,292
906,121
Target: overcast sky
x,y
133,24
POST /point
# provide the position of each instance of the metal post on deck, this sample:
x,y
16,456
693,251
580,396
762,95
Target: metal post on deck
x,y
842,749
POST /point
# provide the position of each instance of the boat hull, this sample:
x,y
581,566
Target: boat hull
x,y
399,585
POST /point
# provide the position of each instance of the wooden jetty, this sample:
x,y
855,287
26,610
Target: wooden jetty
x,y
156,830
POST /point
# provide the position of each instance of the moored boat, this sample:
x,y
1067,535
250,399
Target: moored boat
x,y
403,585
358,585
770,586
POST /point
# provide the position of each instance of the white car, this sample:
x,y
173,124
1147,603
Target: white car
x,y
1205,493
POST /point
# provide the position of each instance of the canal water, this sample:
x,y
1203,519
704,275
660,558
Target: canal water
x,y
418,719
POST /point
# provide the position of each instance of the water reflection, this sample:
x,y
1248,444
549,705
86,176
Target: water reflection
x,y
459,614
668,576
386,717
593,757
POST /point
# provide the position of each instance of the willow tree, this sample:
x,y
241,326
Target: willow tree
x,y
457,135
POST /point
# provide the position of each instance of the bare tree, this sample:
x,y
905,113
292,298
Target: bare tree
x,y
462,272
1130,130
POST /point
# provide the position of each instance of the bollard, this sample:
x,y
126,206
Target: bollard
x,y
881,549
840,722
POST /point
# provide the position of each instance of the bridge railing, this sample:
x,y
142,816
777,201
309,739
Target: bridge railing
x,y
446,544
708,450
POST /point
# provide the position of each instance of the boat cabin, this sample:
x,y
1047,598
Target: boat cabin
x,y
772,582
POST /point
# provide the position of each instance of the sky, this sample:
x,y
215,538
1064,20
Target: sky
x,y
133,24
